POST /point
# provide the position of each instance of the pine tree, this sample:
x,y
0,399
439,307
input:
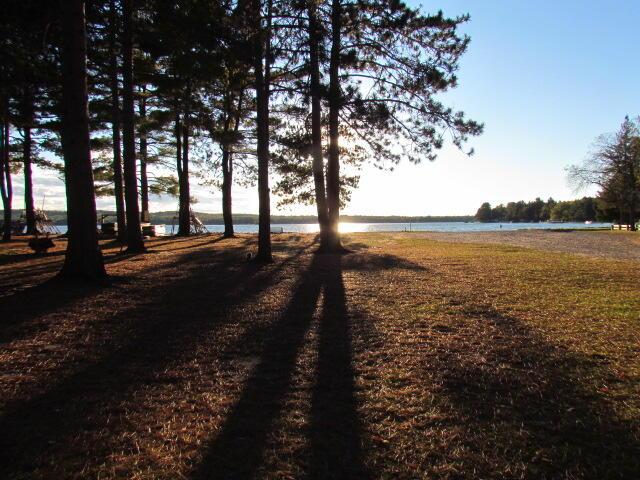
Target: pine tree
x,y
135,243
261,37
114,86
83,257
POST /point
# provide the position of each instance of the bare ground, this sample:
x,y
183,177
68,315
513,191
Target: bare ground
x,y
407,358
604,244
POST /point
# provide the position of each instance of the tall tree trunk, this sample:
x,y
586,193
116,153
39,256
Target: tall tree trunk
x,y
315,34
83,258
6,187
633,188
620,213
184,214
144,182
227,168
177,130
27,147
227,163
135,243
227,181
184,217
262,72
333,164
115,123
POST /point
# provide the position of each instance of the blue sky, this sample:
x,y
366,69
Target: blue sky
x,y
545,77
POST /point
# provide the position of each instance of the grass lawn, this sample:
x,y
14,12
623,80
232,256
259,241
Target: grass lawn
x,y
407,358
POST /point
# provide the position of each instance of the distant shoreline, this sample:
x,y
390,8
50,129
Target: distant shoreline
x,y
59,217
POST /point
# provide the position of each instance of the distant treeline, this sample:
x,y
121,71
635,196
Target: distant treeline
x,y
581,210
59,217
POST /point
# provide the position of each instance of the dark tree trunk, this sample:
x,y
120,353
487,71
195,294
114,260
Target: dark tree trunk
x,y
29,209
262,73
315,34
184,215
27,147
227,163
227,181
144,182
135,243
115,123
6,187
177,131
620,214
227,170
83,257
633,186
333,164
184,220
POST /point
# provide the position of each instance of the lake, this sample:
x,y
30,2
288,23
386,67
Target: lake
x,y
415,227
399,227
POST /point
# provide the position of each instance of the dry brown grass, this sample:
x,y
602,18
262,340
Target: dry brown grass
x,y
407,358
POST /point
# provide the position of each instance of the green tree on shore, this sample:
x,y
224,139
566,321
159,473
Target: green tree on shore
x,y
484,213
579,210
614,166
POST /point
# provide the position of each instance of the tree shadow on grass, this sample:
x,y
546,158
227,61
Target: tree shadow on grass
x,y
173,239
336,433
207,241
158,331
10,259
30,303
38,433
376,262
238,451
538,404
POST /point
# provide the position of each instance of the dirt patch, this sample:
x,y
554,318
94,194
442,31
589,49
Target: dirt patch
x,y
603,244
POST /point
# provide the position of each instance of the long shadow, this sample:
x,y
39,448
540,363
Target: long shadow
x,y
211,241
162,329
9,259
237,451
28,303
6,259
351,262
173,239
335,432
541,406
356,262
123,255
31,302
368,262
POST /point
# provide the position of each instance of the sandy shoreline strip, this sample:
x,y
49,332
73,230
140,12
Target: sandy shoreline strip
x,y
602,244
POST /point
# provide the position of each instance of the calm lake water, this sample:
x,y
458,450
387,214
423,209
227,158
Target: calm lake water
x,y
415,227
400,227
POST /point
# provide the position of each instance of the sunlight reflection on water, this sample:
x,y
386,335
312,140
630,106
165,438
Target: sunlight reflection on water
x,y
348,227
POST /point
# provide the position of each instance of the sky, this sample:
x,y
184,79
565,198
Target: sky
x,y
545,77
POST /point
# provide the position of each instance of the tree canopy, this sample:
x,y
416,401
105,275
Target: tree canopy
x,y
294,96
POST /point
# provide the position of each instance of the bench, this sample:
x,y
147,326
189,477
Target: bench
x,y
41,245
